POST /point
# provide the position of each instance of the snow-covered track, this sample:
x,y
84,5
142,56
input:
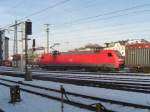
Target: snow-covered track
x,y
102,82
30,88
73,103
134,87
93,73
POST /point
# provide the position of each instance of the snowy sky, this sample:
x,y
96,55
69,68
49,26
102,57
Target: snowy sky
x,y
78,22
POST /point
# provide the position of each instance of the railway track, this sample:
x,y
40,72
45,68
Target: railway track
x,y
95,73
142,88
101,76
101,82
55,95
30,89
98,77
119,73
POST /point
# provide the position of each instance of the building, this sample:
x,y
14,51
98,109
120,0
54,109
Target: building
x,y
120,45
134,41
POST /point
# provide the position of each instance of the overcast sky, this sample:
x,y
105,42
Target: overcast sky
x,y
75,23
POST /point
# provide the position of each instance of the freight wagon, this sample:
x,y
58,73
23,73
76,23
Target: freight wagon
x,y
137,57
90,61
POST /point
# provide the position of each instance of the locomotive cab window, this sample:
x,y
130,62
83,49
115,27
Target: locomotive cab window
x,y
109,54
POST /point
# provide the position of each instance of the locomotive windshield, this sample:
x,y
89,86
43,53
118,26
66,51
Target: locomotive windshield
x,y
119,54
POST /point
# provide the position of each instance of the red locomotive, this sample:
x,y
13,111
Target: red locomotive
x,y
91,61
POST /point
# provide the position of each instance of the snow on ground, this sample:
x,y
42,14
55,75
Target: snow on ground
x,y
132,97
32,103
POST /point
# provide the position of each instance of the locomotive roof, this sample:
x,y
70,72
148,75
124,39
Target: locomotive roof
x,y
80,52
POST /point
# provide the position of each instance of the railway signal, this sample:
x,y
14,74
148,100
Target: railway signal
x,y
28,27
33,45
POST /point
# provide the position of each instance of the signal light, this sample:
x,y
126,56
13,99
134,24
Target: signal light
x,y
33,44
28,28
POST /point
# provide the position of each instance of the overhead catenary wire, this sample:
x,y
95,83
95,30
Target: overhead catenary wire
x,y
88,5
16,5
83,39
107,18
85,20
81,19
120,15
38,12
69,11
120,33
90,19
106,14
56,33
44,9
98,19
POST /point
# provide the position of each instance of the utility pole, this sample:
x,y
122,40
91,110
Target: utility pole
x,y
2,51
22,38
26,58
15,49
47,31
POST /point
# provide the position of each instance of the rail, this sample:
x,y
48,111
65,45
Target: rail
x,y
76,95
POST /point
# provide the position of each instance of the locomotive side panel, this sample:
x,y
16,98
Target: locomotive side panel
x,y
103,59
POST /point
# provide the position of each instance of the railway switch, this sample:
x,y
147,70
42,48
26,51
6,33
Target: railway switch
x,y
15,94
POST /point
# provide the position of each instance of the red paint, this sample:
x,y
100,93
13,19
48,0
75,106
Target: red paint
x,y
138,45
100,58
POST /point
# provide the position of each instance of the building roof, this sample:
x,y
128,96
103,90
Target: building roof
x,y
138,45
111,44
125,42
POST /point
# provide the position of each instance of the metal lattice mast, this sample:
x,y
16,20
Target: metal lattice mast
x,y
15,48
47,31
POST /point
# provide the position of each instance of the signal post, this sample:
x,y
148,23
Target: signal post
x,y
28,31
